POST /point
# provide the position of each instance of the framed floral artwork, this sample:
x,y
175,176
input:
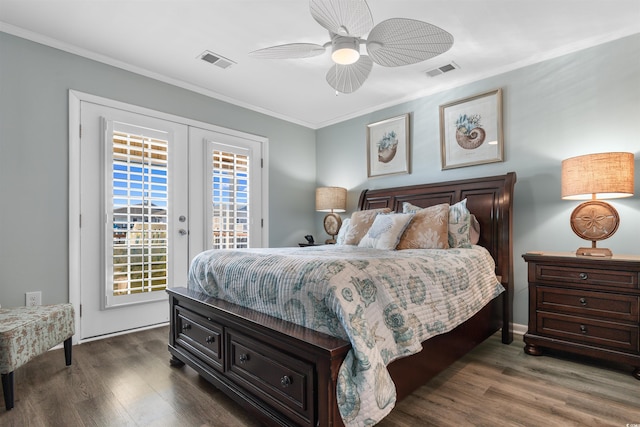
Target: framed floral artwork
x,y
388,146
471,130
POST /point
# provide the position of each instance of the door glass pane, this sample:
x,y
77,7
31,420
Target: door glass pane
x,y
140,202
230,200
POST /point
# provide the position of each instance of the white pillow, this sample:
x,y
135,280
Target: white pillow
x,y
386,230
344,229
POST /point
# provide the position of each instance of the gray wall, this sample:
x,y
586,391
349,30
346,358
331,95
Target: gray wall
x,y
581,103
34,197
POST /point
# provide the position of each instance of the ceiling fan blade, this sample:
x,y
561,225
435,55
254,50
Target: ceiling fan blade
x,y
349,78
401,41
289,51
343,17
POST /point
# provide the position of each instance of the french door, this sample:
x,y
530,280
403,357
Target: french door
x,y
147,192
133,203
226,202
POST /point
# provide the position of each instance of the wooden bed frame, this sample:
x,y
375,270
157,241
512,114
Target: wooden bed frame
x,y
287,374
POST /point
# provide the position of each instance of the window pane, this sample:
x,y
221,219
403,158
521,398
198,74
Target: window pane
x,y
230,197
140,203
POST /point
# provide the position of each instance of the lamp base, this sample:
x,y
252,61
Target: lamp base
x,y
332,224
594,220
595,252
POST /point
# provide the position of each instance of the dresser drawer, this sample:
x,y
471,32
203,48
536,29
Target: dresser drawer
x,y
200,336
588,303
276,377
585,276
584,330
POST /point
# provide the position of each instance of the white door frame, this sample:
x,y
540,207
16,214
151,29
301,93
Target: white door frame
x,y
75,98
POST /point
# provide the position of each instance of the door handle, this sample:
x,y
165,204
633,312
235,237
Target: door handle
x,y
183,232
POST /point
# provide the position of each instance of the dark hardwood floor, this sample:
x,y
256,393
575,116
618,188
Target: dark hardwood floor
x,y
127,381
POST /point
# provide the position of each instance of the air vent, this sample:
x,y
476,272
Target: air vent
x,y
215,59
441,70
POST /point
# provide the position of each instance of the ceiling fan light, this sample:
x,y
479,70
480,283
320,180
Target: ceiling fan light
x,y
345,56
346,50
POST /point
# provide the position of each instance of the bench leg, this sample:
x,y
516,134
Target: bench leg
x,y
7,389
67,351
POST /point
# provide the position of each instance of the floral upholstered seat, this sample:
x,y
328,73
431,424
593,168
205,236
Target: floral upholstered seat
x,y
27,332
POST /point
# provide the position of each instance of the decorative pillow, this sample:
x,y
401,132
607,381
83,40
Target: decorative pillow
x,y
343,231
459,225
428,229
386,230
360,223
474,233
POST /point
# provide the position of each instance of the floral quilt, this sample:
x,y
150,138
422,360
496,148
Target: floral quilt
x,y
384,302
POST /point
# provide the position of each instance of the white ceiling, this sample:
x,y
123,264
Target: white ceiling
x,y
164,39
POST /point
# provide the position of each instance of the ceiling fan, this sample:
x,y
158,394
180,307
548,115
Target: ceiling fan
x,y
391,43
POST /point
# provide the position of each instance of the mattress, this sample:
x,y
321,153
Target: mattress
x,y
384,302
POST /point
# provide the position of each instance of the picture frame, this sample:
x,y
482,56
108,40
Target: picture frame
x,y
388,146
471,131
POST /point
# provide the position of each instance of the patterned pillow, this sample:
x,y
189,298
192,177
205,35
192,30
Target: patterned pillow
x,y
459,225
428,229
360,223
343,231
386,230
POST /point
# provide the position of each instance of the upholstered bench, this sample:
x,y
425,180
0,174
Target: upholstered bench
x,y
27,332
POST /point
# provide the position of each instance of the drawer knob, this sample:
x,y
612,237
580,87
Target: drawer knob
x,y
583,329
244,358
583,301
186,327
583,276
285,381
210,339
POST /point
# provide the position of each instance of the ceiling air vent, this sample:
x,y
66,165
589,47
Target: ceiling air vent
x,y
441,70
215,59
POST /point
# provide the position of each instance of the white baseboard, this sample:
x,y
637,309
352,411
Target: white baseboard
x,y
519,329
144,328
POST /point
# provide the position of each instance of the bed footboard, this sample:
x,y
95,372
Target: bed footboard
x,y
284,373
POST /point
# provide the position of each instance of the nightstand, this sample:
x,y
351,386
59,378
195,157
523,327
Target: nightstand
x,y
585,305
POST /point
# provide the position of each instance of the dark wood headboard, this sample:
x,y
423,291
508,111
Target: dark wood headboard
x,y
490,199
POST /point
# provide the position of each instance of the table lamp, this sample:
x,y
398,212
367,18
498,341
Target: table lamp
x,y
596,176
331,199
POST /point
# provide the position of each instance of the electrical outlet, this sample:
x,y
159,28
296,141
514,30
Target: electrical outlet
x,y
34,298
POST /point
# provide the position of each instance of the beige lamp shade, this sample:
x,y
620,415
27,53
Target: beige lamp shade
x,y
331,199
598,176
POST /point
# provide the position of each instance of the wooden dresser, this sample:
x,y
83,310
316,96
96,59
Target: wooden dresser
x,y
585,305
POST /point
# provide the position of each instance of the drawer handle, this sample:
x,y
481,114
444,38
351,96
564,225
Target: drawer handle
x,y
186,327
244,358
583,276
210,339
285,381
583,329
583,301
